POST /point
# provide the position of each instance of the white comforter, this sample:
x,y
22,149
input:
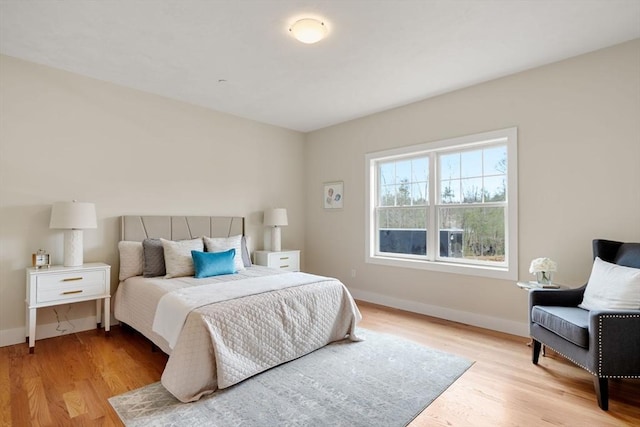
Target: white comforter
x,y
238,336
174,306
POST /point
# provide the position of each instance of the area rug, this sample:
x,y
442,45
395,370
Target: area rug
x,y
381,381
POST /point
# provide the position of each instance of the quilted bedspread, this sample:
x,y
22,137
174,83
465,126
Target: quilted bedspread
x,y
227,342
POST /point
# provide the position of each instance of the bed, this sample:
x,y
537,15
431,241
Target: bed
x,y
223,329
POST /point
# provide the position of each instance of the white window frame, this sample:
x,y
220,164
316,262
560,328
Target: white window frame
x,y
507,270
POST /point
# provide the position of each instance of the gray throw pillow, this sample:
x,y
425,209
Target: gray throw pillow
x,y
153,258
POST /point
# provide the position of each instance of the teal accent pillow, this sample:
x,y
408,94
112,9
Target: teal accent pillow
x,y
207,264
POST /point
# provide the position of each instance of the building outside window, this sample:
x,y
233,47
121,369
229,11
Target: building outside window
x,y
462,188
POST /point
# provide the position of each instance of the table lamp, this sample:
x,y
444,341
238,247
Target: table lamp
x,y
275,218
73,217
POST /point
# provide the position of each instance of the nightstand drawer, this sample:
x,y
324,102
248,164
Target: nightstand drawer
x,y
69,286
284,260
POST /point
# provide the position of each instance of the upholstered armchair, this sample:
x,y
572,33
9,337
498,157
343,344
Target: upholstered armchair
x,y
604,342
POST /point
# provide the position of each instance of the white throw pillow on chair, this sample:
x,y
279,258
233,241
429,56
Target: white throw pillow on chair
x,y
612,287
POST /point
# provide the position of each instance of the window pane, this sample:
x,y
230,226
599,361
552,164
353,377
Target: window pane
x,y
495,188
403,230
495,160
419,195
471,164
387,195
420,169
403,217
403,194
450,243
403,171
450,166
450,191
472,190
387,173
483,173
403,182
480,232
383,218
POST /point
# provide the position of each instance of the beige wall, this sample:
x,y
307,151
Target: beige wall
x,y
579,178
65,137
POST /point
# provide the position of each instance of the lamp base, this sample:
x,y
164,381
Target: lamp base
x,y
275,239
73,248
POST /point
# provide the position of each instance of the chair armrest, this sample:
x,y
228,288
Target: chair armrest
x,y
563,298
614,341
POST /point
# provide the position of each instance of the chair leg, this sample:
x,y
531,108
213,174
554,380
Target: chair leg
x,y
602,392
535,351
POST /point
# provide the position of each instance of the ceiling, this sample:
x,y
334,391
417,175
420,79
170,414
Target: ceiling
x,y
238,56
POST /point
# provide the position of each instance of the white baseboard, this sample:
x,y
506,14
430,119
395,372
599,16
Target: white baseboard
x,y
50,330
17,335
482,321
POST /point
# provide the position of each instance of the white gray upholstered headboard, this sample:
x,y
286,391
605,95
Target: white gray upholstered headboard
x,y
137,228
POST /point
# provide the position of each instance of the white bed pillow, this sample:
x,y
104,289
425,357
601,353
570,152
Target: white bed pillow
x,y
177,256
612,287
221,244
130,259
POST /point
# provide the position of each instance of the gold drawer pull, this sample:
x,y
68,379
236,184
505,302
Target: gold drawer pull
x,y
71,279
284,266
72,292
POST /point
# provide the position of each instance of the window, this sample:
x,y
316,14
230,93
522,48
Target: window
x,y
462,188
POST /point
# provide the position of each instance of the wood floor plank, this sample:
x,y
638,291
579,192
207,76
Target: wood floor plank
x,y
68,380
75,403
94,404
38,403
5,387
18,398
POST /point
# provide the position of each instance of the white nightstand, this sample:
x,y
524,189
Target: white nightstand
x,y
285,260
63,285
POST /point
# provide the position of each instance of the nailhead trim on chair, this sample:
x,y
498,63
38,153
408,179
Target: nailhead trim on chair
x,y
621,316
604,316
568,358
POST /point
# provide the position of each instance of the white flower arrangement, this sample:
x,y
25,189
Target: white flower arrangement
x,y
542,264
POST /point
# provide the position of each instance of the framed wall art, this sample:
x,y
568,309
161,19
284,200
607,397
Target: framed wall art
x,y
333,195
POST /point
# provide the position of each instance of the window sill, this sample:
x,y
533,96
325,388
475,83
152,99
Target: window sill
x,y
503,273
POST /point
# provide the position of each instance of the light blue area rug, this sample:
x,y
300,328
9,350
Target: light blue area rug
x,y
381,381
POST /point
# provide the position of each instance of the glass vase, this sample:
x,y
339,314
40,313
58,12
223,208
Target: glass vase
x,y
544,277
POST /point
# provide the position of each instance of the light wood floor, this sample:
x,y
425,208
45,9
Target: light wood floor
x,y
68,379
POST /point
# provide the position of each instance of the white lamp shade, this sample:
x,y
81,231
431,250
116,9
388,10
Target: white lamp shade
x,y
73,215
275,217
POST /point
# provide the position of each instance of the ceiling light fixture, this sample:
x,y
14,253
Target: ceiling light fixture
x,y
308,30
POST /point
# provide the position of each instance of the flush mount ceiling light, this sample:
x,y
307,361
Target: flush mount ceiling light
x,y
308,30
